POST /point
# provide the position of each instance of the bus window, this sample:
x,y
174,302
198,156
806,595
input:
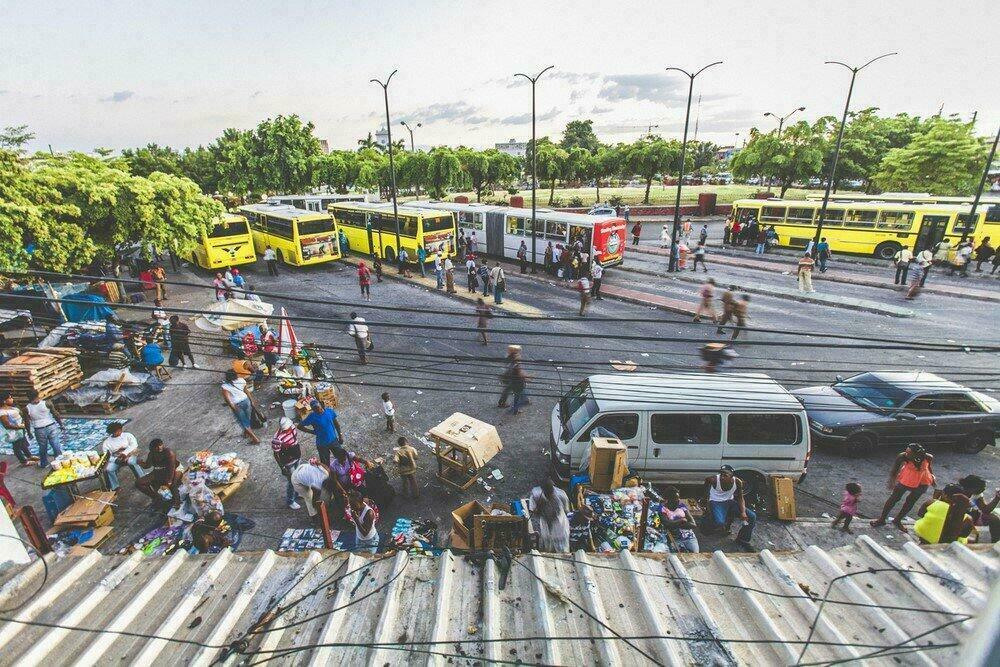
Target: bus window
x,y
438,224
861,218
515,226
773,214
473,220
833,218
801,216
277,226
964,223
555,230
898,220
993,213
745,215
315,226
224,229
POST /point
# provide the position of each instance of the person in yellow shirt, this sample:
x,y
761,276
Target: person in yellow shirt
x,y
405,456
944,519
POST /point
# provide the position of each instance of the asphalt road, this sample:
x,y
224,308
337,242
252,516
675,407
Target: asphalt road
x,y
431,373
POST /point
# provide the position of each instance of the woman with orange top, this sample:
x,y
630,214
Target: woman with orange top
x,y
911,474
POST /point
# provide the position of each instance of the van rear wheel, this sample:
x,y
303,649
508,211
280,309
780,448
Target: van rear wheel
x,y
755,491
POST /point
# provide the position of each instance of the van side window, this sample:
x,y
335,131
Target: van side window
x,y
680,429
625,426
763,429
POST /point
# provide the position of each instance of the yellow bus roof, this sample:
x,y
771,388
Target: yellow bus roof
x,y
283,211
862,205
385,207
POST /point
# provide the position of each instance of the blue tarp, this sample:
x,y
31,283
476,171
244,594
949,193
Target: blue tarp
x,y
86,307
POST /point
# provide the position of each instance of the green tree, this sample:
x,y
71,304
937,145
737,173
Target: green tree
x,y
651,156
329,169
368,142
799,154
412,169
14,137
754,159
144,161
580,134
551,165
442,171
201,166
944,158
476,164
232,161
868,138
280,155
702,154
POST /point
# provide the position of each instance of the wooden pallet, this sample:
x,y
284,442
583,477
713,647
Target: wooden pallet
x,y
49,372
67,407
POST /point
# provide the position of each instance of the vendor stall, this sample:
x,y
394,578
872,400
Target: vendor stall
x,y
463,447
69,469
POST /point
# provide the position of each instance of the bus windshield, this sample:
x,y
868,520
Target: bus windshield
x,y
321,226
222,230
438,224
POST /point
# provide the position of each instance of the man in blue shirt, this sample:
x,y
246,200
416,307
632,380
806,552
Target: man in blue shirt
x,y
152,355
421,260
326,428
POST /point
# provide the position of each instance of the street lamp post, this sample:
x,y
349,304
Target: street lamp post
x,y
392,164
781,126
403,123
840,137
672,266
534,163
982,185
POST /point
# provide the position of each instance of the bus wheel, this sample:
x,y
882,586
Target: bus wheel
x,y
887,249
389,255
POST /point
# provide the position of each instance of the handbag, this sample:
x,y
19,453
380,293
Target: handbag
x,y
257,418
356,474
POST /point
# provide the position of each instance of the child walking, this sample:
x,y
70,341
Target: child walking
x,y
405,456
848,506
390,413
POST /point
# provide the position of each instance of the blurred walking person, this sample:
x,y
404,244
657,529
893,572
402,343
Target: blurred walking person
x,y
705,306
483,315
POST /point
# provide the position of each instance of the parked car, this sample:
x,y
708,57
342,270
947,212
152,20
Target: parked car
x,y
892,409
602,209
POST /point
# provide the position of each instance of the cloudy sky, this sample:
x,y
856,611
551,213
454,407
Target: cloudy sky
x,y
121,74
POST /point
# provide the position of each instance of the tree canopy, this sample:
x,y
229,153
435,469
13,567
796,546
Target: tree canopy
x,y
944,157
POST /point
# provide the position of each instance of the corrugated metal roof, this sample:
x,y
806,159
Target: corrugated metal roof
x,y
674,610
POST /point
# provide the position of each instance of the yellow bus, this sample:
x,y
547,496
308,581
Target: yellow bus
x,y
298,237
879,228
370,226
227,243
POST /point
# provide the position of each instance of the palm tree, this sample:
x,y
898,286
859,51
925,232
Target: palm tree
x,y
368,142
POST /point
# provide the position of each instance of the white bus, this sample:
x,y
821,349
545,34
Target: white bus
x,y
315,203
499,230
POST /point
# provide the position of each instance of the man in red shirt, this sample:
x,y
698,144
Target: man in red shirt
x,y
269,345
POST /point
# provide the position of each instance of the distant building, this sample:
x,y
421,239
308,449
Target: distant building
x,y
726,153
382,137
516,148
324,146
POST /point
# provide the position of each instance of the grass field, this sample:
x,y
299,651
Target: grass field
x,y
657,195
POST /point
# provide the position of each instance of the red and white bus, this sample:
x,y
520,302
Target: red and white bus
x,y
499,230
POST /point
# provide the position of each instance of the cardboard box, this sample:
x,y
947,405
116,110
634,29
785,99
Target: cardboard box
x,y
93,510
608,464
457,542
461,519
784,498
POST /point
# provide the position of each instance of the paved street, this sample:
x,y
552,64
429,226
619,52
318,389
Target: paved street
x,y
432,373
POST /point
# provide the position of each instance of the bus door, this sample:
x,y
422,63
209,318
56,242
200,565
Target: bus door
x,y
494,233
581,234
932,229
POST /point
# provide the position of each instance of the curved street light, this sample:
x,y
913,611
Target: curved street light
x,y
840,137
392,165
672,266
403,123
534,163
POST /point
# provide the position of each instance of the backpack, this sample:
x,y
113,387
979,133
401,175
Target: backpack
x,y
356,474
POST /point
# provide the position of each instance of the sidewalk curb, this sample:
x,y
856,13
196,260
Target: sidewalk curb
x,y
861,282
802,298
394,275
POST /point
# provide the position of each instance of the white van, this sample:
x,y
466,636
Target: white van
x,y
680,427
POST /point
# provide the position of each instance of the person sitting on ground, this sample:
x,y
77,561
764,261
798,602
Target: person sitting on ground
x,y
161,462
581,537
726,503
206,533
248,370
122,449
944,519
151,355
677,519
983,513
362,514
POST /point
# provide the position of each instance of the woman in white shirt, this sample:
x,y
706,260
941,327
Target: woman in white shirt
x,y
235,394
